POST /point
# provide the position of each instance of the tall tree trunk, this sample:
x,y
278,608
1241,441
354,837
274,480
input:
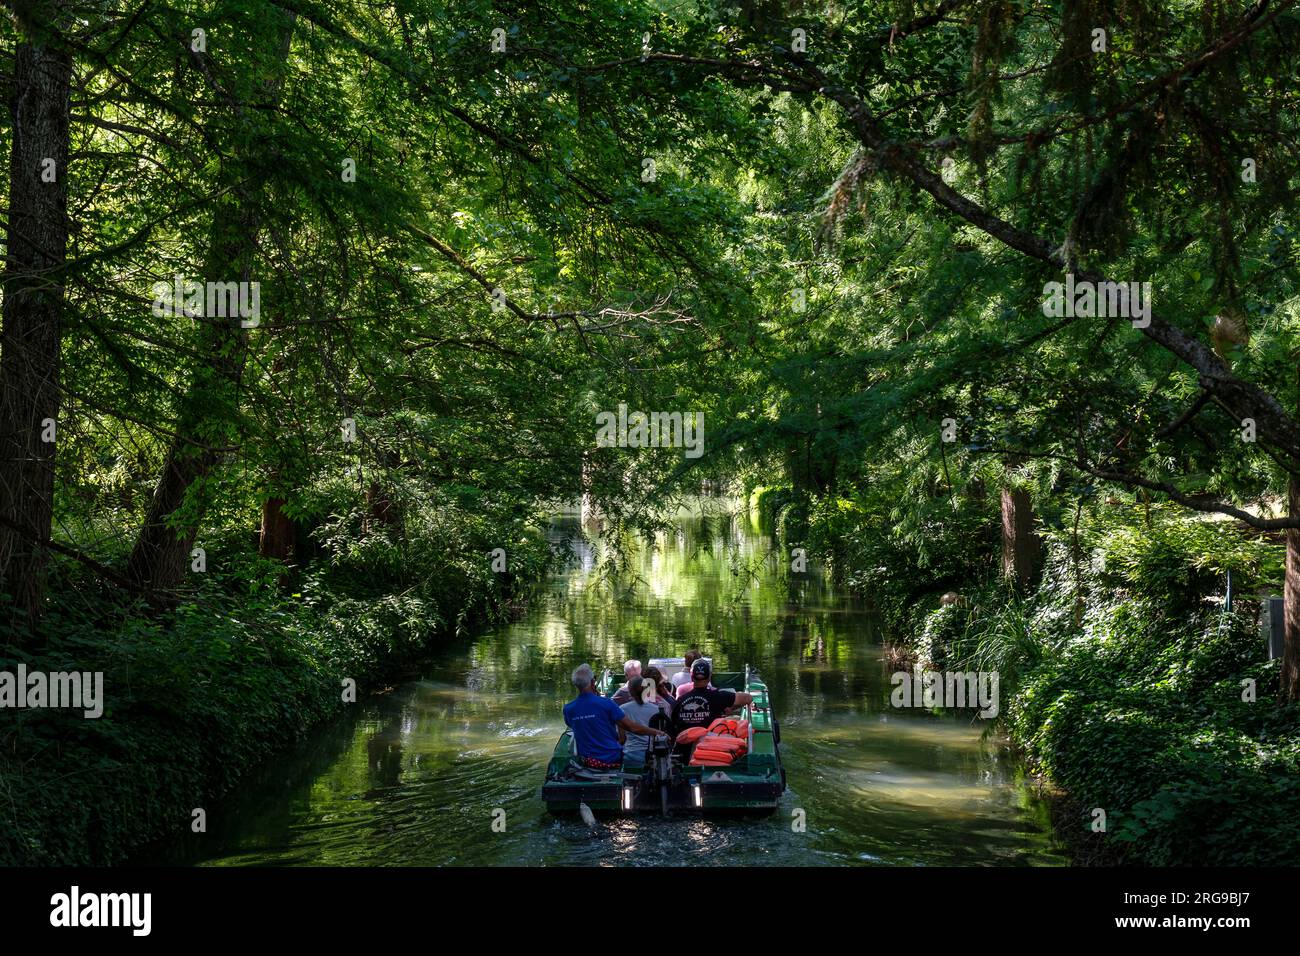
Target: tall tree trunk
x,y
278,531
33,307
1290,676
211,408
380,509
160,556
1021,546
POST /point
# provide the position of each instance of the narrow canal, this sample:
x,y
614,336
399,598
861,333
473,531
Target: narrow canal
x,y
416,776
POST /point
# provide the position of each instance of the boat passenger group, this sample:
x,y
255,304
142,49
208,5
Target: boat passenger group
x,y
609,730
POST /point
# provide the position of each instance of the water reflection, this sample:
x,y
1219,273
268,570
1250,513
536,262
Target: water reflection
x,y
420,776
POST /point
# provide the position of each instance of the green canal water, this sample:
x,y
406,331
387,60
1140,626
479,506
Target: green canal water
x,y
417,776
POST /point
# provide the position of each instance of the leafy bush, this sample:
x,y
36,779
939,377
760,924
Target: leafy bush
x,y
197,695
937,548
1124,683
1149,724
1178,560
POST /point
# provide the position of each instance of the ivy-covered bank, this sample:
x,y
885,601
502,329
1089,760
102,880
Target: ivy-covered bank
x,y
251,658
1126,679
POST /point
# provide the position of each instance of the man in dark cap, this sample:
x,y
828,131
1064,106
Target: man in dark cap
x,y
700,704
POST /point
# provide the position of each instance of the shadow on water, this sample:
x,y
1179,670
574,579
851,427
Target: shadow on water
x,y
420,776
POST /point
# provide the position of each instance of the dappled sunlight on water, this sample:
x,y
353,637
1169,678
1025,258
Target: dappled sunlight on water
x,y
420,774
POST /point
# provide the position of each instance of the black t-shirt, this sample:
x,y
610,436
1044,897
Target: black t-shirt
x,y
699,708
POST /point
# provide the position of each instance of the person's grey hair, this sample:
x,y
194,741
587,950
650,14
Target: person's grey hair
x,y
583,677
631,664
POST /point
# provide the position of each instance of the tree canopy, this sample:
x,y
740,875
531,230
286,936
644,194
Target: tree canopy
x,y
471,227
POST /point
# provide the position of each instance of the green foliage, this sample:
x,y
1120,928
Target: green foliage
x,y
199,694
1148,723
898,554
1177,561
1125,686
872,354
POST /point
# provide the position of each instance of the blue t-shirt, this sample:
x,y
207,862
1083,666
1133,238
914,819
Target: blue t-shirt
x,y
594,720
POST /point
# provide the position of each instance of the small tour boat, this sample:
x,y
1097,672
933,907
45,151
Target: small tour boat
x,y
672,779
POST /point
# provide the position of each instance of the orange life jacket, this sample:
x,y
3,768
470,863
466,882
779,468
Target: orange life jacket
x,y
731,727
729,745
711,758
691,734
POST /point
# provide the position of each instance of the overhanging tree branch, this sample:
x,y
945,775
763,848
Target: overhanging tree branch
x,y
1241,398
1163,487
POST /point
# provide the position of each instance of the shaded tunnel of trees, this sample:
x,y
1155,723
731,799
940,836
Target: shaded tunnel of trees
x,y
418,247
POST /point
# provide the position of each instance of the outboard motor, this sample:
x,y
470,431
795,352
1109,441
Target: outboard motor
x,y
661,762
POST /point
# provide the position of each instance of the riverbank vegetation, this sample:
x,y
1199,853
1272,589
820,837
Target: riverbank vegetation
x,y
251,658
1127,679
311,308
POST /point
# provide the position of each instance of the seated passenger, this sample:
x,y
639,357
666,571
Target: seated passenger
x,y
702,704
662,690
642,708
595,721
683,677
630,669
